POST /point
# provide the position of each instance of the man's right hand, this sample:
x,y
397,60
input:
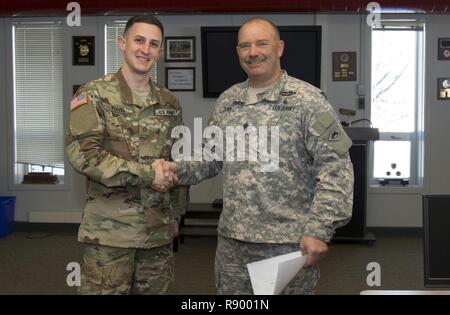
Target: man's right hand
x,y
165,175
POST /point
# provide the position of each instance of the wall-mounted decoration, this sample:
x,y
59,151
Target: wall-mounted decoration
x,y
179,49
180,79
344,66
83,50
444,89
444,49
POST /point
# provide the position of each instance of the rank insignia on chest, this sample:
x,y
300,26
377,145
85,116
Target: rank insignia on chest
x,y
334,135
166,112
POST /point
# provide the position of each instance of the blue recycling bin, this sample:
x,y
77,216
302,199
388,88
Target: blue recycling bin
x,y
7,205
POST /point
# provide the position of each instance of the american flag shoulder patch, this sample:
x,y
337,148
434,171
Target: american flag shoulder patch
x,y
78,101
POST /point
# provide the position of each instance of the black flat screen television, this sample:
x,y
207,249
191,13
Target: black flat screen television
x,y
221,69
436,228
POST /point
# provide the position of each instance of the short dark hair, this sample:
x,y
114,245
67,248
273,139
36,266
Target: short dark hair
x,y
149,19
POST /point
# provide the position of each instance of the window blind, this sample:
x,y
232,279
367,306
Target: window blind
x,y
38,93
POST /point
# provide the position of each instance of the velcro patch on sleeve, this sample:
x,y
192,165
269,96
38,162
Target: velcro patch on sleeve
x,y
323,122
337,139
331,132
78,101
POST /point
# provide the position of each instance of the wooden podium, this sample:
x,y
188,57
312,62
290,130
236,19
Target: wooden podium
x,y
355,230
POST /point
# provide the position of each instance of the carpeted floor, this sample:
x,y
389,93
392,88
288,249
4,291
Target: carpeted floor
x,y
35,263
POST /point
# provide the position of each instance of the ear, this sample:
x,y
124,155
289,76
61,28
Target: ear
x,y
280,48
121,41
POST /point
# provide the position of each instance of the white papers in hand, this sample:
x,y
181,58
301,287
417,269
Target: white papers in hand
x,y
272,275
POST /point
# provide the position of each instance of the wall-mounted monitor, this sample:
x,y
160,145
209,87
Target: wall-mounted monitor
x,y
436,227
221,69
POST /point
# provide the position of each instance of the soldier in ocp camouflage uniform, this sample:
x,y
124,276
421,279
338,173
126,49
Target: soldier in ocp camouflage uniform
x,y
297,206
119,125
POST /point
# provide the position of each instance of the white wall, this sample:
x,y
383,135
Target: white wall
x,y
437,131
341,32
386,207
3,125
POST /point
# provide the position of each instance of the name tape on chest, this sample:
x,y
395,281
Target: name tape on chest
x,y
282,108
166,112
225,109
117,110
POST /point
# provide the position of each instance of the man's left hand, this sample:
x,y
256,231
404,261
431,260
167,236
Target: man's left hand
x,y
314,249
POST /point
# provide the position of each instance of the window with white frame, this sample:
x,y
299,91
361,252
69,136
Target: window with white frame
x,y
38,99
397,87
113,54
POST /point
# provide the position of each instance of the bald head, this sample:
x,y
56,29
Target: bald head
x,y
261,21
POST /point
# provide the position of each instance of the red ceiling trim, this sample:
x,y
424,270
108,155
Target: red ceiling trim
x,y
119,7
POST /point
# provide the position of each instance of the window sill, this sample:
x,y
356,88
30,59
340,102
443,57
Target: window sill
x,y
402,190
42,187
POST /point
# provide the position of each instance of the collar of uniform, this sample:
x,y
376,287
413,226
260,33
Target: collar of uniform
x,y
126,93
154,96
273,93
270,95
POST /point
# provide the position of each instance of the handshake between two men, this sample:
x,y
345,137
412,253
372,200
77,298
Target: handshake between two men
x,y
165,175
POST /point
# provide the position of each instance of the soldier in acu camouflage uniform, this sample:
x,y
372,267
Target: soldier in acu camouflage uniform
x,y
120,124
300,204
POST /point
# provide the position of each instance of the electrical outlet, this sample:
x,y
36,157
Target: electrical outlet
x,y
361,90
361,103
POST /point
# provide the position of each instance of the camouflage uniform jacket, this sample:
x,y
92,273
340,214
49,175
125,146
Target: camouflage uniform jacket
x,y
113,136
311,192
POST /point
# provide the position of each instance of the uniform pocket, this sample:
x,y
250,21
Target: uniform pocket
x,y
155,136
116,141
106,271
91,277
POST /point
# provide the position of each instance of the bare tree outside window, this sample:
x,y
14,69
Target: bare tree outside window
x,y
395,101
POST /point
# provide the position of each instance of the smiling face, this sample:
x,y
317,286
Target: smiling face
x,y
141,47
260,49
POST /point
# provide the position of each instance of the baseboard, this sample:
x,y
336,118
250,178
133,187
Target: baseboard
x,y
54,216
396,231
46,227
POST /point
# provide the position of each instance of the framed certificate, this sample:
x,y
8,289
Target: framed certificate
x,y
180,79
